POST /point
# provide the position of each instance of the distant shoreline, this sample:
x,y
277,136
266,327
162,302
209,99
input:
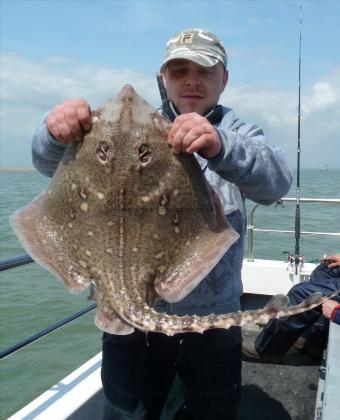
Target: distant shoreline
x,y
17,169
31,169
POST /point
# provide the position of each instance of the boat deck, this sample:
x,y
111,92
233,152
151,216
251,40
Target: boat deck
x,y
292,390
284,391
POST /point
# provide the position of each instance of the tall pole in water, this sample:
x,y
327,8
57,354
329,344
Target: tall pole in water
x,y
297,209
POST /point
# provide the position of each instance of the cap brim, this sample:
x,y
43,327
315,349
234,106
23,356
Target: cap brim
x,y
198,58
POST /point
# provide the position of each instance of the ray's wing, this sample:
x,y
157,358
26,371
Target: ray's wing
x,y
196,252
183,232
45,245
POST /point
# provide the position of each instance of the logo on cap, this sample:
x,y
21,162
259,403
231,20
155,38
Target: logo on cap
x,y
187,38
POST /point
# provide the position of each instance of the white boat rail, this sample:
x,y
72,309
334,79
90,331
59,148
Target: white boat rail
x,y
251,226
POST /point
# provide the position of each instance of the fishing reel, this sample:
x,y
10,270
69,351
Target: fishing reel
x,y
294,259
295,264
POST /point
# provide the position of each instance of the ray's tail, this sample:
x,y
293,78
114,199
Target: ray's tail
x,y
147,319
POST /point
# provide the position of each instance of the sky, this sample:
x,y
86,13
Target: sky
x,y
53,50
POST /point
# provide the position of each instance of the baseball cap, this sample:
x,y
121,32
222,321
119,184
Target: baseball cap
x,y
198,45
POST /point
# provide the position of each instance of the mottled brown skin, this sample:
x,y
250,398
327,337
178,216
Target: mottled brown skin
x,y
139,222
124,212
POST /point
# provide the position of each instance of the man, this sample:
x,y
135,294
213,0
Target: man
x,y
138,369
307,331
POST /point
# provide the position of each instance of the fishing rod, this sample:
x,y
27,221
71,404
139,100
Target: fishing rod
x,y
297,257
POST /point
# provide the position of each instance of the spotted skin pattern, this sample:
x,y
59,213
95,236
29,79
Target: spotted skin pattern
x,y
139,223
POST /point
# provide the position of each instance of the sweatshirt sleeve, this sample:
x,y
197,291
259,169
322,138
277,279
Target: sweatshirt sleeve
x,y
46,151
261,171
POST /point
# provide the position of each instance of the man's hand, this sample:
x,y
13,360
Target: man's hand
x,y
193,133
69,121
328,307
332,260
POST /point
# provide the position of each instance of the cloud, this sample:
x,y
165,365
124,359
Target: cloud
x,y
324,96
275,110
30,88
41,84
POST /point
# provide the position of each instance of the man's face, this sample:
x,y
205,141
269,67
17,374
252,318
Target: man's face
x,y
194,88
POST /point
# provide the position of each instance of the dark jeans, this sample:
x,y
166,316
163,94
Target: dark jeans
x,y
280,334
140,368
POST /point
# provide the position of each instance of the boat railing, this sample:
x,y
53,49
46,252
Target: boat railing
x,y
18,261
251,226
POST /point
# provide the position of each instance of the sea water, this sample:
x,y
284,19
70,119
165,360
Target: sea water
x,y
31,298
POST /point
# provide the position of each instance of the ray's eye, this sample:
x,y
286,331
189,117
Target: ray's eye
x,y
102,151
145,154
143,148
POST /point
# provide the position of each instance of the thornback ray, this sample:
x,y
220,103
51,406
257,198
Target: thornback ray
x,y
124,213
